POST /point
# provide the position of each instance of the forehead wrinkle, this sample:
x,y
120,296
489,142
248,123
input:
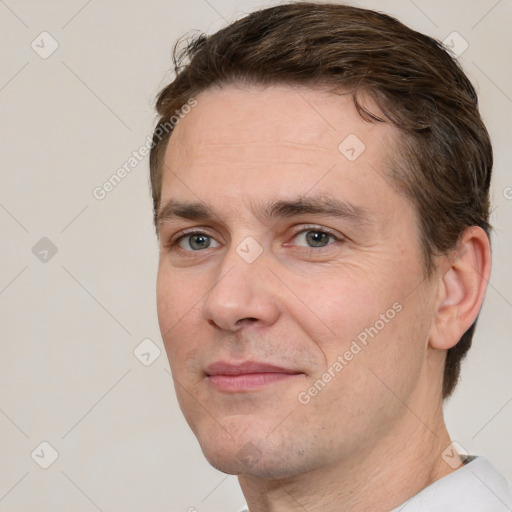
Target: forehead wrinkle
x,y
261,153
267,143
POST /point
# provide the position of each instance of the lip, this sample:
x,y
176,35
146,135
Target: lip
x,y
246,376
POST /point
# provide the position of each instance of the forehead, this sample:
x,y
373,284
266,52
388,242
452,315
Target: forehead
x,y
281,141
299,118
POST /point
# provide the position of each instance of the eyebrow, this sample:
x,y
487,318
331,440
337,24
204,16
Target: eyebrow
x,y
327,206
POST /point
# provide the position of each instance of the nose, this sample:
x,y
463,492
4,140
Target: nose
x,y
242,294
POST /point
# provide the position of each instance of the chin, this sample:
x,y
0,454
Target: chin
x,y
247,461
232,450
255,455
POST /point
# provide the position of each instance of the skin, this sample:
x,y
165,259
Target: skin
x,y
352,446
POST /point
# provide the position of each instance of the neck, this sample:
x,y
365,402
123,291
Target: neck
x,y
383,476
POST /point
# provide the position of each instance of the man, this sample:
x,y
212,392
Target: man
x,y
320,178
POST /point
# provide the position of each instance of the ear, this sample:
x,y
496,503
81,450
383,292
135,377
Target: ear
x,y
462,285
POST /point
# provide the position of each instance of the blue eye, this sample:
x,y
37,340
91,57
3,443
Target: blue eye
x,y
315,238
196,242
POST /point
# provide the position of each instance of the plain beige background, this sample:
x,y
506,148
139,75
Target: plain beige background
x,y
70,321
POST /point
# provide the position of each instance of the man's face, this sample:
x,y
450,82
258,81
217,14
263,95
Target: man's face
x,y
282,245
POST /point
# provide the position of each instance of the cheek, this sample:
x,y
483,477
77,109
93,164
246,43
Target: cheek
x,y
364,392
179,316
383,356
370,321
334,307
176,294
177,306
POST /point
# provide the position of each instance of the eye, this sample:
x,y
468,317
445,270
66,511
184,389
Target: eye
x,y
314,238
196,242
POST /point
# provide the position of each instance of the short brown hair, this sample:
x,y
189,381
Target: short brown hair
x,y
444,158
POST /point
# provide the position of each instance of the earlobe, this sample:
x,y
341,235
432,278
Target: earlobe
x,y
461,289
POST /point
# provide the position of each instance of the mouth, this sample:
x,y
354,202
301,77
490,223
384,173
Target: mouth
x,y
246,376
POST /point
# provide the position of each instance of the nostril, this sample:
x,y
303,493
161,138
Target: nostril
x,y
239,323
246,320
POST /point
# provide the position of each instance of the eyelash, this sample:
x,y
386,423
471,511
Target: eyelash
x,y
174,242
317,229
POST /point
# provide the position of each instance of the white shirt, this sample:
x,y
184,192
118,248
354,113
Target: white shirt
x,y
475,487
